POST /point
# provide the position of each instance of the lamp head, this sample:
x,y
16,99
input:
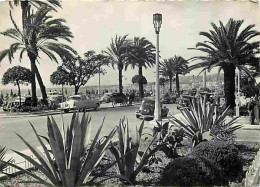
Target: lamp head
x,y
157,21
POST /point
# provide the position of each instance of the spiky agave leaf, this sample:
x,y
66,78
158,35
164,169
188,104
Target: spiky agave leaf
x,y
126,152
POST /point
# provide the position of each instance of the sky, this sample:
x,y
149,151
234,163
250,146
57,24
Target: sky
x,y
95,23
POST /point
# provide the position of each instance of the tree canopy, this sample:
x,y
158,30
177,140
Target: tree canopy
x,y
77,72
17,75
139,79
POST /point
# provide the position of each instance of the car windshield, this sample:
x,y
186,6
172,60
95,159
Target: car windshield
x,y
148,103
74,98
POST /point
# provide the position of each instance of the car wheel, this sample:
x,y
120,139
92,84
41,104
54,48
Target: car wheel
x,y
125,103
137,116
66,110
81,109
113,103
97,106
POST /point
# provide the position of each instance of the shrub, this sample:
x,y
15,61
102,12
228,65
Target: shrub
x,y
169,139
191,171
222,154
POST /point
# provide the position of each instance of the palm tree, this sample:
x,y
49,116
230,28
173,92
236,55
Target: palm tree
x,y
26,14
174,66
142,55
118,54
166,69
39,35
228,48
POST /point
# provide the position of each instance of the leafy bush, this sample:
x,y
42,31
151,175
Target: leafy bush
x,y
130,160
191,171
222,154
169,139
200,120
72,157
224,132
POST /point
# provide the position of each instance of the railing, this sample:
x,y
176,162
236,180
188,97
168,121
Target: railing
x,y
252,175
24,164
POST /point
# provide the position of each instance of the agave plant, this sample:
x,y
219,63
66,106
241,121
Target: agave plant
x,y
129,159
200,119
72,157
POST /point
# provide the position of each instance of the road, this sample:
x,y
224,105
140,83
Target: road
x,y
10,126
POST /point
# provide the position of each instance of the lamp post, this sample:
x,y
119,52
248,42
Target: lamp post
x,y
157,21
99,81
204,79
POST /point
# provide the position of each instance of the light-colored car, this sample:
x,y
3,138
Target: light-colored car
x,y
55,97
79,102
106,98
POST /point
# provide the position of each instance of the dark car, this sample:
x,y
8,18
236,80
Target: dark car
x,y
146,110
119,98
169,98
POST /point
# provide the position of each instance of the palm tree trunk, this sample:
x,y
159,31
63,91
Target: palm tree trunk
x,y
229,84
120,80
141,86
19,92
170,84
76,90
177,84
33,83
24,7
42,87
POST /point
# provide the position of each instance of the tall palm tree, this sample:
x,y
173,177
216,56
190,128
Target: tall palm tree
x,y
42,33
143,56
228,48
166,69
174,66
26,14
118,54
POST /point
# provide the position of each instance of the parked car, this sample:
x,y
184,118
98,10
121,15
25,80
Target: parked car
x,y
79,102
169,98
55,97
14,105
184,101
146,110
106,98
119,98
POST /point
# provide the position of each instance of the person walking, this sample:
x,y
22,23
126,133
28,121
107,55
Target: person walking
x,y
250,107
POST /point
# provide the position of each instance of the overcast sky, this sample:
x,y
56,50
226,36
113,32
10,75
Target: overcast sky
x,y
95,23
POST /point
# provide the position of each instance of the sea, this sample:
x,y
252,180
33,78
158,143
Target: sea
x,y
69,90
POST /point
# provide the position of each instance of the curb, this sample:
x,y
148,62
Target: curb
x,y
29,114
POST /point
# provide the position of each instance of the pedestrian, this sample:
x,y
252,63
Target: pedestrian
x,y
250,107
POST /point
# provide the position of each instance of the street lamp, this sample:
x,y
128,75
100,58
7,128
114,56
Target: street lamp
x,y
157,21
